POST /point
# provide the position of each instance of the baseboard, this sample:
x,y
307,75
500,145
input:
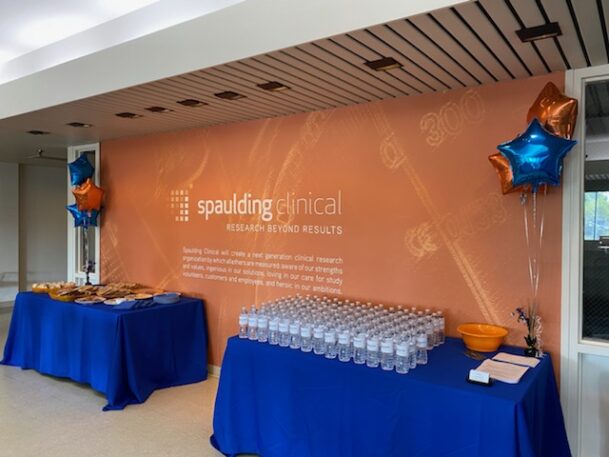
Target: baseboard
x,y
213,370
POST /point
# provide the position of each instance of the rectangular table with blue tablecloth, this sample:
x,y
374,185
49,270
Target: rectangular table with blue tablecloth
x,y
124,354
279,402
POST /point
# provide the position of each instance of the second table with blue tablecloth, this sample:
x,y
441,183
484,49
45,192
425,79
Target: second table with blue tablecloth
x,y
279,402
124,354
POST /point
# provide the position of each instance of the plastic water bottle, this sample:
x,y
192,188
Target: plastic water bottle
x,y
274,331
359,349
401,357
284,333
319,347
252,325
330,343
243,323
387,355
372,352
441,328
306,340
344,343
429,331
412,352
295,335
422,348
263,328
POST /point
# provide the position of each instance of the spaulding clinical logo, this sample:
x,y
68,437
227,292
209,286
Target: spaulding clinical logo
x,y
269,208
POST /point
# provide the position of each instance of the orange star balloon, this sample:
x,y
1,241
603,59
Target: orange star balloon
x,y
504,170
88,196
556,112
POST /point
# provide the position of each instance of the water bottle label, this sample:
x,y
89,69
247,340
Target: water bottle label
x,y
422,341
253,322
330,338
359,343
242,320
318,333
387,347
283,327
402,352
273,325
305,332
372,345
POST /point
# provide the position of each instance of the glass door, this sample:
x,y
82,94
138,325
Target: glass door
x,y
585,298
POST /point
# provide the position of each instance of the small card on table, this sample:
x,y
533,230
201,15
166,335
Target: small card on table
x,y
479,377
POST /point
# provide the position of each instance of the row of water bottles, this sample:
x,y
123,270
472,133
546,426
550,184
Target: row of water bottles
x,y
392,337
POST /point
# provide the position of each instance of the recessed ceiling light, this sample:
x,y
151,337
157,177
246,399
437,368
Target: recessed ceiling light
x,y
159,109
38,132
273,86
229,95
191,103
80,125
383,64
540,32
128,115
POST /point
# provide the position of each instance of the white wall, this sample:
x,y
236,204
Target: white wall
x,y
43,228
9,231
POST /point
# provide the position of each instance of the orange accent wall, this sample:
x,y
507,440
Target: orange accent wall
x,y
422,218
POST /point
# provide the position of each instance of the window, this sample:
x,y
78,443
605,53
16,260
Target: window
x,y
596,215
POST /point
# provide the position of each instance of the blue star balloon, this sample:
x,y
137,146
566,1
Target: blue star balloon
x,y
80,170
83,218
536,156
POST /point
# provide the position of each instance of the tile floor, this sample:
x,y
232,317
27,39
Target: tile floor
x,y
45,416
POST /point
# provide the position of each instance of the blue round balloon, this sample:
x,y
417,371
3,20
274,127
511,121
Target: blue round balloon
x,y
80,170
83,218
536,156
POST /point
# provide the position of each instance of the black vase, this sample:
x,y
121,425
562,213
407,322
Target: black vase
x,y
530,351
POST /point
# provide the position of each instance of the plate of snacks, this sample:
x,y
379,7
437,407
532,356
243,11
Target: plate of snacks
x,y
139,296
90,300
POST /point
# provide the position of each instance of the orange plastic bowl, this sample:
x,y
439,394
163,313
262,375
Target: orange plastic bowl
x,y
482,337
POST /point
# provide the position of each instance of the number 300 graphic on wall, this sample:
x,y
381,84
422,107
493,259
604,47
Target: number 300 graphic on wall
x,y
452,116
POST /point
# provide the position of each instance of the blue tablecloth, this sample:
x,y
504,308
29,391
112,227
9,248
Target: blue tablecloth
x,y
278,402
125,354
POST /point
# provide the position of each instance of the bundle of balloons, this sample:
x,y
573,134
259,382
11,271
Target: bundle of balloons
x,y
88,196
535,157
532,160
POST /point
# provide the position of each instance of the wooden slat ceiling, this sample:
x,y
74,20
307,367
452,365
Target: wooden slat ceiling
x,y
471,44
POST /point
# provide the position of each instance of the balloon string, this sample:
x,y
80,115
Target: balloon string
x,y
534,248
541,226
523,201
85,232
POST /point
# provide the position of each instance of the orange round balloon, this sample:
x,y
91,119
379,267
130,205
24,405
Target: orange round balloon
x,y
88,196
556,112
504,170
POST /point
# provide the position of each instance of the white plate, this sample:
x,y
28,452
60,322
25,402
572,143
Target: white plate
x,y
115,301
89,300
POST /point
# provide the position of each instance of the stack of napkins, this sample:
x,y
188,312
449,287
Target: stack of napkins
x,y
507,368
501,371
517,359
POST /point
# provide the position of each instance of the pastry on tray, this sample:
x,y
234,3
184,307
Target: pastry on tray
x,y
46,287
